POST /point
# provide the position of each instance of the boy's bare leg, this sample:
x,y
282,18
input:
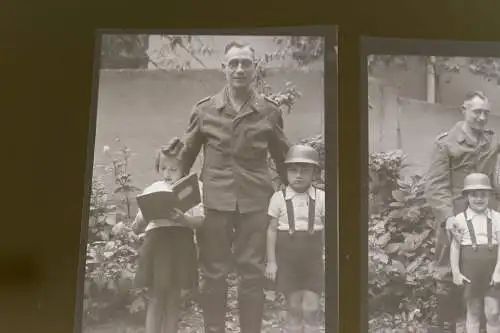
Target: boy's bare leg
x,y
474,310
294,314
310,311
492,314
482,321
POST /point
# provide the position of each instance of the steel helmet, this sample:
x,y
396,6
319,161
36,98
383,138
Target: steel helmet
x,y
302,154
477,181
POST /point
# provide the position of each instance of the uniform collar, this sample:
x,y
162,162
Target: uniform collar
x,y
291,193
221,99
472,214
462,137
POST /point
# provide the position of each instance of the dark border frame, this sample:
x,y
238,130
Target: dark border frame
x,y
331,150
398,46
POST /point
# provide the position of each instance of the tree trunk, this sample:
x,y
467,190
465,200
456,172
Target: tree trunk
x,y
437,87
431,80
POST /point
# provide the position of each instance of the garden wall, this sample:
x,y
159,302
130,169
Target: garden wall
x,y
411,83
146,108
409,124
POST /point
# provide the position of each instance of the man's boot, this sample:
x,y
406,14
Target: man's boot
x,y
251,308
447,312
214,306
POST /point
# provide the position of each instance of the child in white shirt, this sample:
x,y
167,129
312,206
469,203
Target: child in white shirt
x,y
295,240
474,258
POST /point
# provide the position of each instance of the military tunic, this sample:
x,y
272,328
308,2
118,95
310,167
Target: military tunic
x,y
454,156
237,187
236,144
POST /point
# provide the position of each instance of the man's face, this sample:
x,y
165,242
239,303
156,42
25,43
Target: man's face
x,y
239,67
476,113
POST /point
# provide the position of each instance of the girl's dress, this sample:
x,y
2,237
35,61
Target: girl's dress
x,y
478,251
168,256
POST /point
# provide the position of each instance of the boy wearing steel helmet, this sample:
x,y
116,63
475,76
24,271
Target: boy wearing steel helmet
x,y
475,263
295,240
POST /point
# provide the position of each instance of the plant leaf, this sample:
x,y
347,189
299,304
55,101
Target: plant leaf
x,y
110,219
108,254
383,240
396,214
393,248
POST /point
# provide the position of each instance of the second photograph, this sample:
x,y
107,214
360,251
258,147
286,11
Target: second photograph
x,y
433,188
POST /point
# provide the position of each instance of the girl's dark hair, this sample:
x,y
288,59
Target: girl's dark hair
x,y
172,149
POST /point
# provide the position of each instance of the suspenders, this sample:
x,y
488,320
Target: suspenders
x,y
291,217
473,234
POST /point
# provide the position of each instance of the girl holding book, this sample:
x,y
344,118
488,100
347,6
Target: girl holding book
x,y
168,257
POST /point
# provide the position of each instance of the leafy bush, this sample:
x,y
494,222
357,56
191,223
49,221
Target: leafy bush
x,y
384,171
110,264
400,243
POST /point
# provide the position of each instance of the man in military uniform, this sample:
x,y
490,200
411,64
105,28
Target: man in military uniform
x,y
467,147
236,128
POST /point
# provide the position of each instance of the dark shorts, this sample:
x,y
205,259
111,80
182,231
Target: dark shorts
x,y
478,266
300,262
168,259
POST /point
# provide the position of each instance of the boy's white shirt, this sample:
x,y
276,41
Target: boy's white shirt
x,y
458,226
197,210
300,201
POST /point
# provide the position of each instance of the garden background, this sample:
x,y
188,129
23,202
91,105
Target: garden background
x,y
140,107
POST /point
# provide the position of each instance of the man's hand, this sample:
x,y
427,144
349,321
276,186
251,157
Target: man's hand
x,y
495,279
271,269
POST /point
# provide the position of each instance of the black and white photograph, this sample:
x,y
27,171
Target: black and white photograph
x,y
207,205
433,188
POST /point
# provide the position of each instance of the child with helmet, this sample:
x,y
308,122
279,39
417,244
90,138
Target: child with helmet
x,y
295,239
474,258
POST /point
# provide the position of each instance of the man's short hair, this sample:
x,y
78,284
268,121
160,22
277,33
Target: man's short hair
x,y
239,45
470,96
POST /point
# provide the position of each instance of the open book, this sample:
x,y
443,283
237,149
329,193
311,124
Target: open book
x,y
158,203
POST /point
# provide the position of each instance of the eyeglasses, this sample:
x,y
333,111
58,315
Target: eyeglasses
x,y
479,112
235,63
